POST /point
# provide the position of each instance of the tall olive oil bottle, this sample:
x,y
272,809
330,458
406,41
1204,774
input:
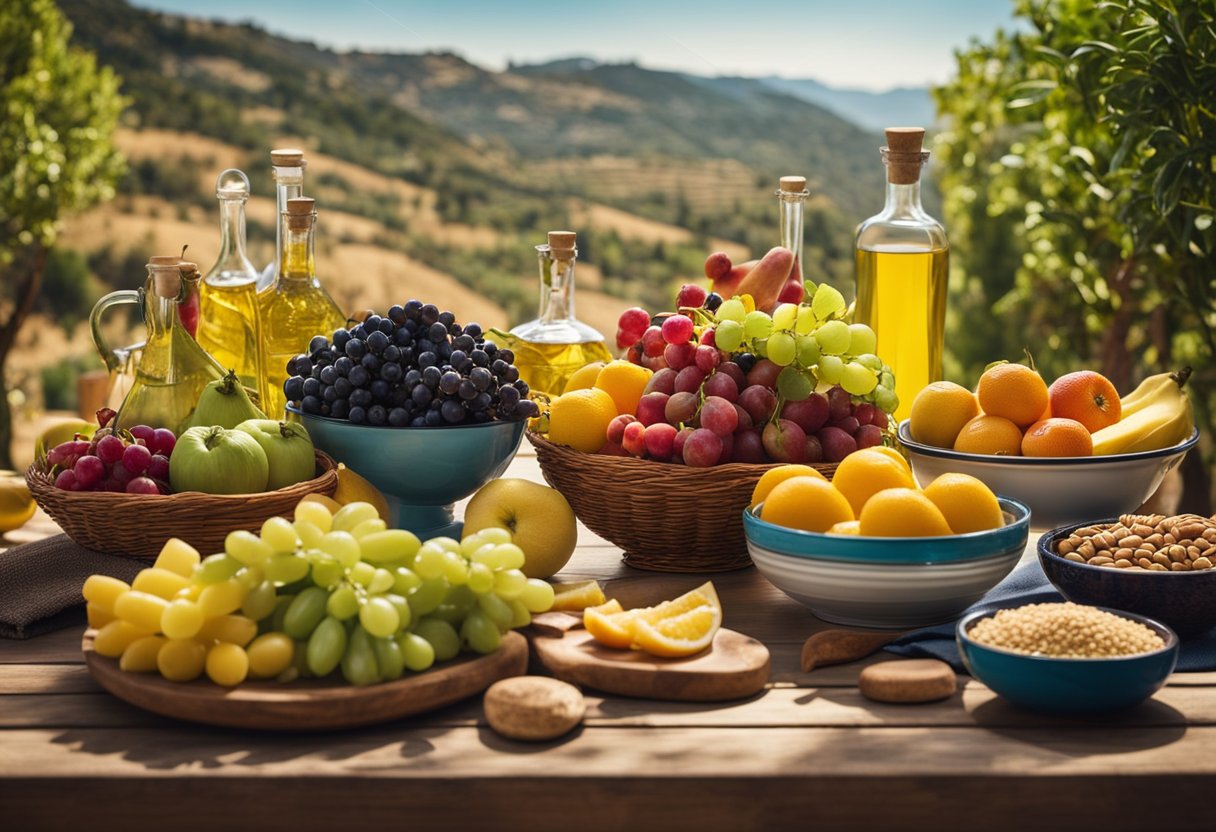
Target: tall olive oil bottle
x,y
228,326
294,308
902,260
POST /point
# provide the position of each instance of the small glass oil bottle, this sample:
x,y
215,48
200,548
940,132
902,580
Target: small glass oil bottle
x,y
287,167
902,258
172,369
295,308
791,198
551,348
229,328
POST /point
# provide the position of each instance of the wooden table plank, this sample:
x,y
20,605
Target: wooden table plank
x,y
721,778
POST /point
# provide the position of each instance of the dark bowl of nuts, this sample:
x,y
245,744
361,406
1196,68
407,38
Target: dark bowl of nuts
x,y
1152,565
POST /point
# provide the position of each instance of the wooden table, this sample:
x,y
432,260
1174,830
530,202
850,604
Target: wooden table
x,y
809,753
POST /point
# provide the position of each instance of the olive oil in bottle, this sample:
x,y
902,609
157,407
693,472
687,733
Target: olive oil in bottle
x,y
551,348
902,264
295,308
229,328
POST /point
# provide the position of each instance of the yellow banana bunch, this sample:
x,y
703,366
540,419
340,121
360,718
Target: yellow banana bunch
x,y
1155,415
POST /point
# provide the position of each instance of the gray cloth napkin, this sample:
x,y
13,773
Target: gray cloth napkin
x,y
1028,585
40,584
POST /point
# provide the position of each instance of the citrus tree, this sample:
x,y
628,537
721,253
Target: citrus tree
x,y
1078,168
58,111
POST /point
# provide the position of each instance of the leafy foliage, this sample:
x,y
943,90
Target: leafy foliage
x,y
58,110
1080,188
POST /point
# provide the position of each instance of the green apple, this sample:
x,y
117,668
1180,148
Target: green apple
x,y
540,520
215,460
288,450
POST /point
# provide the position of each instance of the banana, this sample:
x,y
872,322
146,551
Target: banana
x,y
1150,388
1155,415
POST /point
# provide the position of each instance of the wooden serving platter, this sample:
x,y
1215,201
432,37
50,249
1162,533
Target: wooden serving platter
x,y
734,666
310,704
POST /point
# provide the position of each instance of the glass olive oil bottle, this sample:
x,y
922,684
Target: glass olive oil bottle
x,y
295,307
902,263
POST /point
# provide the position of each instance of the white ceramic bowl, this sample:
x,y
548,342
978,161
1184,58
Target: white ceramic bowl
x,y
1059,490
883,595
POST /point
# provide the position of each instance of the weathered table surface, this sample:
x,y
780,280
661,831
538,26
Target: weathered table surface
x,y
809,753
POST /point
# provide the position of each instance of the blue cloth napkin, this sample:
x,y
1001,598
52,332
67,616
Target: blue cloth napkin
x,y
1028,585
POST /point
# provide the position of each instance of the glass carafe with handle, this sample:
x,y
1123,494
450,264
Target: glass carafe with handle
x,y
172,369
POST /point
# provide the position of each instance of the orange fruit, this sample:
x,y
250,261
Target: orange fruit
x,y
667,629
1057,437
1086,397
1014,392
939,412
773,476
679,635
990,435
580,419
902,512
578,596
846,527
584,376
967,504
809,503
607,625
624,382
866,472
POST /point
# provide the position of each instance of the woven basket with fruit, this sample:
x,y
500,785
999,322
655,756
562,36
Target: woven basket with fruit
x,y
708,398
129,491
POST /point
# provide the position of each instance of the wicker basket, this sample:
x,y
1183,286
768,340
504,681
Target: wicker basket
x,y
667,518
137,525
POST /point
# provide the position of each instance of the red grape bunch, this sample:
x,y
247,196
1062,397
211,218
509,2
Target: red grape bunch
x,y
131,462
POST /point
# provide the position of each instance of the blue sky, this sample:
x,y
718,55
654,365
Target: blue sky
x,y
870,44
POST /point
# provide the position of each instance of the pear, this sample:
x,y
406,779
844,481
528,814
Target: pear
x,y
225,403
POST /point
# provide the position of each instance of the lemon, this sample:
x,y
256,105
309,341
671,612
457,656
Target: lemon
x,y
846,527
902,512
967,504
808,503
584,376
624,382
578,596
679,627
580,419
775,476
353,488
16,504
864,473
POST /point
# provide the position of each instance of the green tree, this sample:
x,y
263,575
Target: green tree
x,y
1079,183
58,111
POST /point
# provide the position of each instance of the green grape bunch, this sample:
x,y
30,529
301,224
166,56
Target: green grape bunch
x,y
321,594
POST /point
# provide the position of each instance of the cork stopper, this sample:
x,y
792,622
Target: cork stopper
x,y
287,157
904,155
793,184
166,275
561,244
301,212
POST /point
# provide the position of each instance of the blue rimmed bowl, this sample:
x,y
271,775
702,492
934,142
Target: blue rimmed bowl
x,y
422,472
887,582
1070,686
1059,490
1186,601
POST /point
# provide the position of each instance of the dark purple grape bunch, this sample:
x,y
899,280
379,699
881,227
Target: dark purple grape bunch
x,y
414,367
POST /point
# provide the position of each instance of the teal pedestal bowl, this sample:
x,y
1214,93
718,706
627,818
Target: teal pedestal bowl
x,y
422,472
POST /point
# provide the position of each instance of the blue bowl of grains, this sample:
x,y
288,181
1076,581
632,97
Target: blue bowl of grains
x,y
1066,658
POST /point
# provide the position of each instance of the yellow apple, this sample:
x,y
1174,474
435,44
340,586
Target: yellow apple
x,y
540,520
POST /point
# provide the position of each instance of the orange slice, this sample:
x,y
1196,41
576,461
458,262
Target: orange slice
x,y
577,596
678,636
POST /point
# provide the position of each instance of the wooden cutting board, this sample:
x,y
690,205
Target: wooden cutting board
x,y
735,666
310,704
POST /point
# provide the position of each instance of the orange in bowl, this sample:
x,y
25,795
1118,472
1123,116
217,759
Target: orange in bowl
x,y
990,435
1014,392
1086,397
1057,437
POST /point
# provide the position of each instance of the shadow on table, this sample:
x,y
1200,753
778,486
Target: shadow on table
x,y
194,746
1152,724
